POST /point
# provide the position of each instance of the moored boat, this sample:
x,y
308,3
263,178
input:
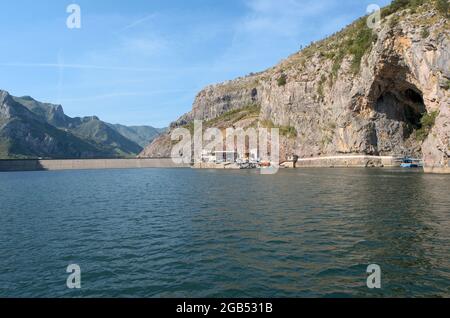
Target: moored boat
x,y
411,163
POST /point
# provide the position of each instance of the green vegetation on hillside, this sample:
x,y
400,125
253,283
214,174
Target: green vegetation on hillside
x,y
229,118
354,41
320,91
447,85
285,131
428,120
425,33
357,39
288,131
282,80
357,42
443,7
398,5
252,110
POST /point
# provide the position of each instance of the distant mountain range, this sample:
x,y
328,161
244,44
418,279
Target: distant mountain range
x,y
142,135
31,129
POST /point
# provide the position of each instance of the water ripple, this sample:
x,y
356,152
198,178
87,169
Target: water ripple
x,y
196,233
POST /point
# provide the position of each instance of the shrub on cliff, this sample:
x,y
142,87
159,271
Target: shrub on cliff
x,y
285,131
288,131
427,121
425,33
282,80
398,5
360,45
443,7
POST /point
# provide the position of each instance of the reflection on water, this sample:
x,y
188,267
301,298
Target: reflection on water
x,y
201,233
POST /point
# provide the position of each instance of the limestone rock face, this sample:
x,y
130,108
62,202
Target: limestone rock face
x,y
161,147
216,100
337,108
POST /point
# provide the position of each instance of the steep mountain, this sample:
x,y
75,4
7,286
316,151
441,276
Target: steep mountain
x,y
23,134
382,91
30,128
88,128
53,114
142,135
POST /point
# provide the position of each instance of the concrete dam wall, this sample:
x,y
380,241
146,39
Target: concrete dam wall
x,y
86,164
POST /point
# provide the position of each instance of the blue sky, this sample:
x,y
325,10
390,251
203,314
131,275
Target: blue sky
x,y
141,62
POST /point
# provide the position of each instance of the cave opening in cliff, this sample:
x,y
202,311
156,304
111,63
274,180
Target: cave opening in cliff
x,y
404,106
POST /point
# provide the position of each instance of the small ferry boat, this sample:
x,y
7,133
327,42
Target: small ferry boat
x,y
411,163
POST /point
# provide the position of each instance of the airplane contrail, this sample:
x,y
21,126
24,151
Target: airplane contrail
x,y
140,21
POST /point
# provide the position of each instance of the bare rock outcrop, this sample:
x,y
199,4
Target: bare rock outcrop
x,y
360,91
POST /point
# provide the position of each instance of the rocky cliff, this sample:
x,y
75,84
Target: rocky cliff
x,y
24,134
381,91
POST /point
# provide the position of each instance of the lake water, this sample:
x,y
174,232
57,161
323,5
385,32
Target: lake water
x,y
201,233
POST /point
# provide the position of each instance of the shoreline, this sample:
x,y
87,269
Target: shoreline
x,y
345,161
18,165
